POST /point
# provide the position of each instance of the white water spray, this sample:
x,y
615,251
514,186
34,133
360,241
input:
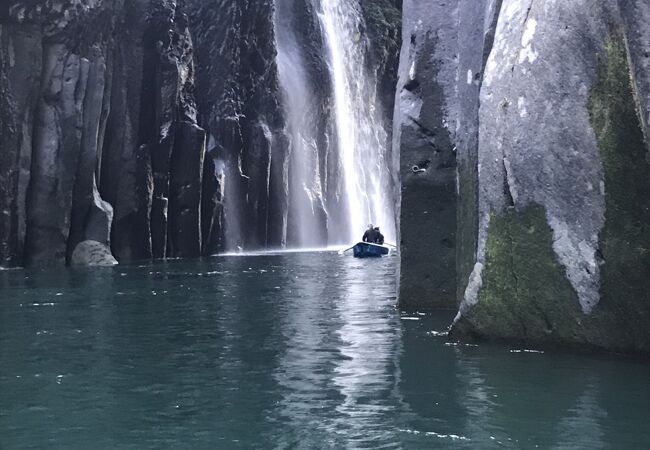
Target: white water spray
x,y
362,139
306,203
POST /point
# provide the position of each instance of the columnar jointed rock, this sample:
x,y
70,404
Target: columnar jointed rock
x,y
240,93
185,191
20,69
116,88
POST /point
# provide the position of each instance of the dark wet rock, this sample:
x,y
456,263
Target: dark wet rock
x,y
425,116
20,68
384,30
185,191
237,77
93,135
212,220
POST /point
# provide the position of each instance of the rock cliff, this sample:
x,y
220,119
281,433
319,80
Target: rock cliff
x,y
239,103
97,104
545,105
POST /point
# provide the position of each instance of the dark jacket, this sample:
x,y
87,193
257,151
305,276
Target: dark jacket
x,y
370,236
373,236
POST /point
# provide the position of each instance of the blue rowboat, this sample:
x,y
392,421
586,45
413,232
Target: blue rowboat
x,y
368,250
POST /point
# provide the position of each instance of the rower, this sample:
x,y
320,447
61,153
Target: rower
x,y
370,235
379,238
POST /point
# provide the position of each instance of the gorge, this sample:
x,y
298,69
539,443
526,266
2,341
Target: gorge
x,y
180,179
503,145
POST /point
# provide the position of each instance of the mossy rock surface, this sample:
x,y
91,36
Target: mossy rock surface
x,y
625,240
526,295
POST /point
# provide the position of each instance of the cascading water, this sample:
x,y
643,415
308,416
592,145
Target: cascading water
x,y
306,203
359,138
362,139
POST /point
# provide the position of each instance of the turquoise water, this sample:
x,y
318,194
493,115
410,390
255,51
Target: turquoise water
x,y
282,351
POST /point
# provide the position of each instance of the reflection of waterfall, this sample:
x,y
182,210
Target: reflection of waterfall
x,y
338,373
361,135
334,192
366,374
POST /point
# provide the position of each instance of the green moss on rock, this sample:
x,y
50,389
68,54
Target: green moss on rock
x,y
467,224
625,240
384,22
525,295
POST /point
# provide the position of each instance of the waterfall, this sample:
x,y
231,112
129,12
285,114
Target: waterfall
x,y
362,139
358,145
306,203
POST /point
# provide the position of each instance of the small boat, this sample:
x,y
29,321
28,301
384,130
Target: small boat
x,y
368,250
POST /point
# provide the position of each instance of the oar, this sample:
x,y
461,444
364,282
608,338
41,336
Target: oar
x,y
390,245
343,251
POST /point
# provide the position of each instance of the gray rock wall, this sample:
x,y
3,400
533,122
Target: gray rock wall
x,y
94,96
20,68
424,131
553,191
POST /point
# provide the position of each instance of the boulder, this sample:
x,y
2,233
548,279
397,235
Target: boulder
x,y
92,254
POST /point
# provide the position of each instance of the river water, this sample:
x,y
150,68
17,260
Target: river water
x,y
282,351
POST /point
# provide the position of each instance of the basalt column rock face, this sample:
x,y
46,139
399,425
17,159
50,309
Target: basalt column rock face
x,y
239,105
564,187
20,69
424,127
154,118
94,94
57,154
476,29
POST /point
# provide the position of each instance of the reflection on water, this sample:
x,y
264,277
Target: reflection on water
x,y
366,374
584,423
282,351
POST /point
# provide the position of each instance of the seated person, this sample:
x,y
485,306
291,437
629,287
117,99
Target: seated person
x,y
370,234
379,238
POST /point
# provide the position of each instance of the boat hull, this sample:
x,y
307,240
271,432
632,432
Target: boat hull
x,y
368,250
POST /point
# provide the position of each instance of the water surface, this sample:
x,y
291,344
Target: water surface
x,y
282,351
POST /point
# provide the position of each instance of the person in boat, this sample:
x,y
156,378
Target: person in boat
x,y
379,238
370,235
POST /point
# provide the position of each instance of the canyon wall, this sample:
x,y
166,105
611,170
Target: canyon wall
x,y
104,104
545,105
239,104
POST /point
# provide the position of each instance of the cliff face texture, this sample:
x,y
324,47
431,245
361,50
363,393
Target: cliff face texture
x,y
424,132
548,114
97,106
239,102
103,109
